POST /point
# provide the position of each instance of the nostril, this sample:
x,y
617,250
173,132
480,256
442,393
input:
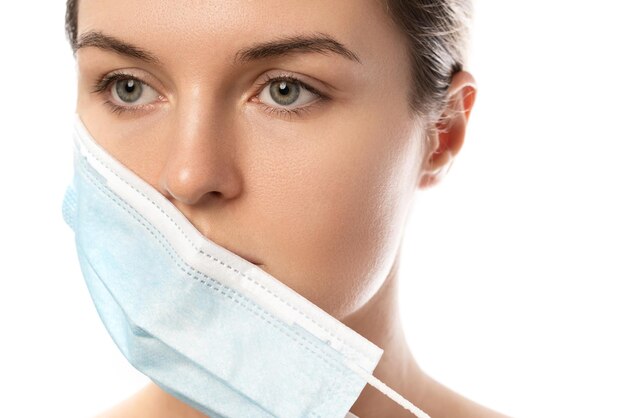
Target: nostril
x,y
190,192
194,178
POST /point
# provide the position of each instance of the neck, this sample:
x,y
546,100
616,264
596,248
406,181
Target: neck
x,y
379,321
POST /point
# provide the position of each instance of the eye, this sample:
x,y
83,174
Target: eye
x,y
131,91
287,92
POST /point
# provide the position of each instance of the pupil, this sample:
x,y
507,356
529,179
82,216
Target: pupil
x,y
285,92
128,90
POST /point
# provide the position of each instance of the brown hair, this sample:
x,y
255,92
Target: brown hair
x,y
437,32
438,35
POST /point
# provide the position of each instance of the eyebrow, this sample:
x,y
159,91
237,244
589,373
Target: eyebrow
x,y
317,43
106,42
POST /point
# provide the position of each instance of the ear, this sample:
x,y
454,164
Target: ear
x,y
447,137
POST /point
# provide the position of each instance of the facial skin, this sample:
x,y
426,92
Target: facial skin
x,y
319,199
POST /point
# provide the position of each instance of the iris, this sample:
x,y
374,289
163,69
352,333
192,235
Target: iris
x,y
285,92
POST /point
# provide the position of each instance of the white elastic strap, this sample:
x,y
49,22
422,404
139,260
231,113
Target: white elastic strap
x,y
392,394
351,415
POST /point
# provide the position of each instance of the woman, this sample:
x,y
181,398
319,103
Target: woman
x,y
295,134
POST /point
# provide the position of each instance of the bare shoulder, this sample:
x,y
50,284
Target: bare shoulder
x,y
142,404
151,402
444,402
476,410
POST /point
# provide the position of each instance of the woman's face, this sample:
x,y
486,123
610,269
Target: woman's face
x,y
312,181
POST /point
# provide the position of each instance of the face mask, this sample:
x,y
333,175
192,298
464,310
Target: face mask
x,y
207,326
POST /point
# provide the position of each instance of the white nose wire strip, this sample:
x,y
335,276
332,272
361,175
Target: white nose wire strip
x,y
392,394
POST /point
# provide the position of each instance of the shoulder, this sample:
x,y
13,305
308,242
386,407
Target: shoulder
x,y
445,402
125,409
151,402
142,404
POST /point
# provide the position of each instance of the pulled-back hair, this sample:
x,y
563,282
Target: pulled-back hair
x,y
437,34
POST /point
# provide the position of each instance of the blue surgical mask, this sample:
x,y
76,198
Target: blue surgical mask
x,y
207,326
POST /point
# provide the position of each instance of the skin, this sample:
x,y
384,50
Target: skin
x,y
319,200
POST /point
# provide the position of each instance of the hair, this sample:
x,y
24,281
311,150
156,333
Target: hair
x,y
438,35
437,32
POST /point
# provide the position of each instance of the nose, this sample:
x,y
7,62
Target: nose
x,y
201,162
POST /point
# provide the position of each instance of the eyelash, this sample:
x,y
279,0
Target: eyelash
x,y
104,84
289,113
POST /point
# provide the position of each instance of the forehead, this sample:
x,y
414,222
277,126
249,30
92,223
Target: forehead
x,y
199,30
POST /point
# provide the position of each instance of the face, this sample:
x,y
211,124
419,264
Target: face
x,y
301,159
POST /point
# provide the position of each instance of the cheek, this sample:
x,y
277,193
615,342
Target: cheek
x,y
140,144
343,203
325,202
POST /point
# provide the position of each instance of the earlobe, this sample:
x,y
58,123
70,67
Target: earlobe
x,y
436,173
449,133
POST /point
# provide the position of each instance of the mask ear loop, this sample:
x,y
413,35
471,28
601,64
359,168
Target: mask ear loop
x,y
392,394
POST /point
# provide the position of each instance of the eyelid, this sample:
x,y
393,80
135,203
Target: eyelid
x,y
105,79
287,112
270,76
106,82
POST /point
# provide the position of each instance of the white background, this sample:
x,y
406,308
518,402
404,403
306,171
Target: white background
x,y
512,270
